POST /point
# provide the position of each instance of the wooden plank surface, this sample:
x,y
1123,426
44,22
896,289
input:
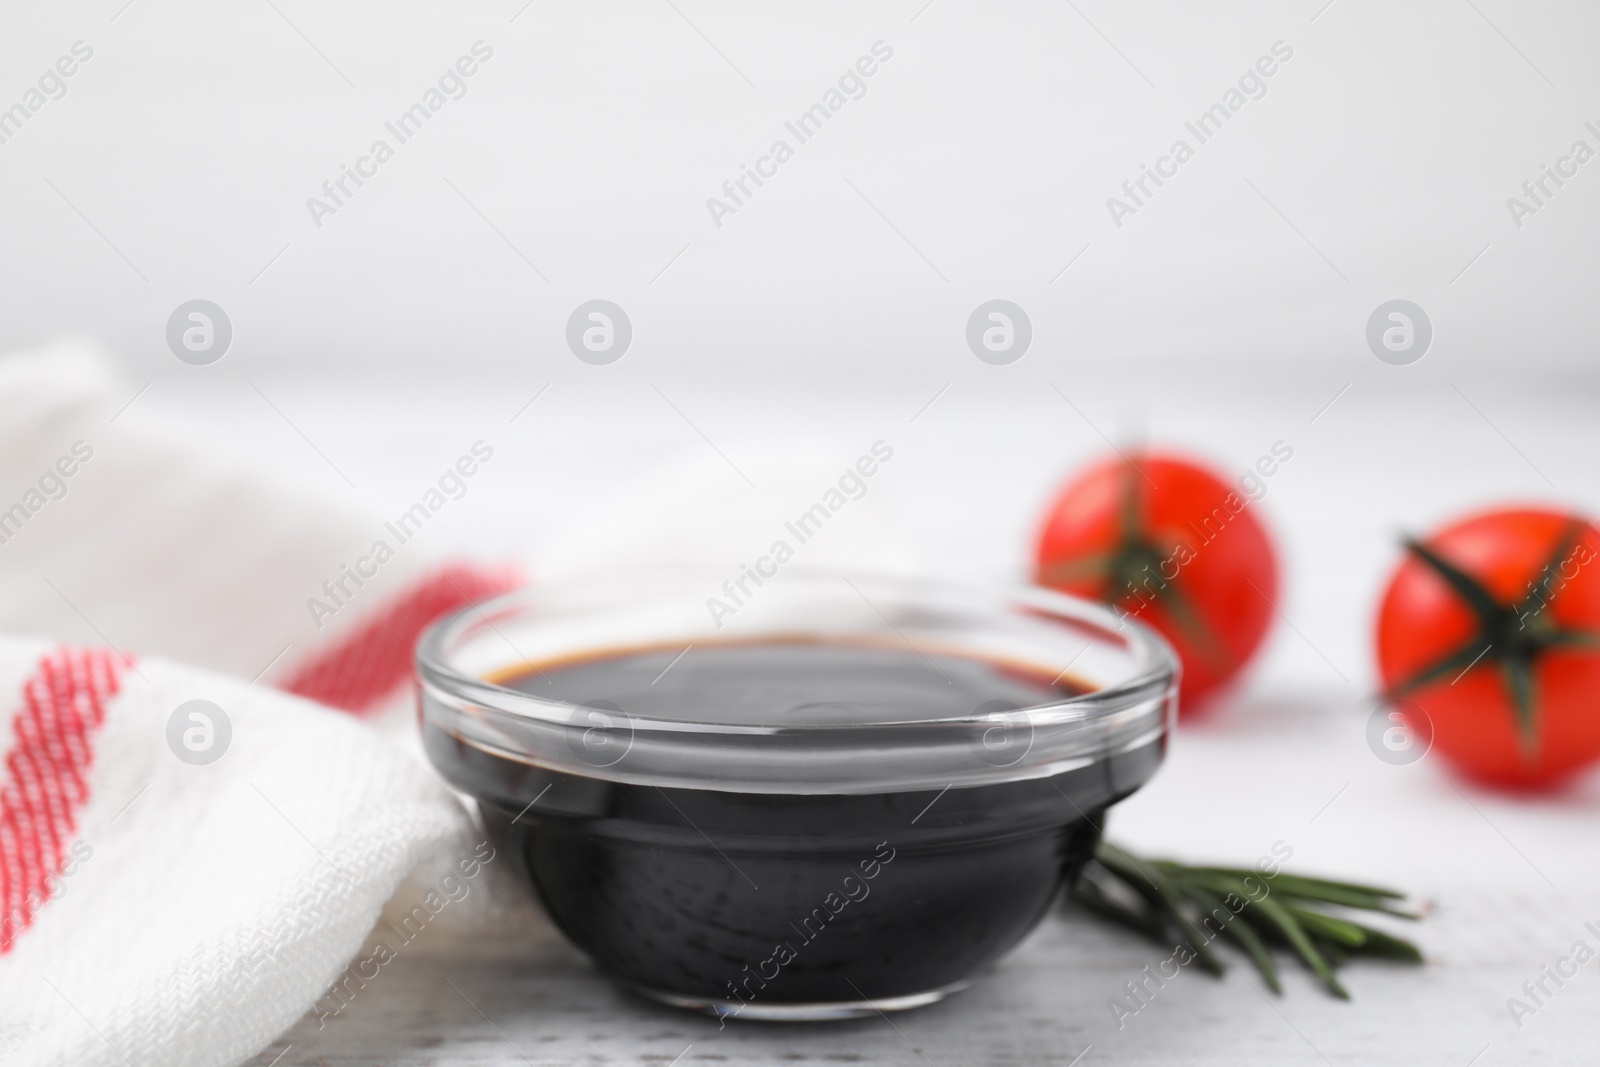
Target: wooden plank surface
x,y
1513,880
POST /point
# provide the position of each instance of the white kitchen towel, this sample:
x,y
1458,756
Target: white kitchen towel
x,y
180,882
159,909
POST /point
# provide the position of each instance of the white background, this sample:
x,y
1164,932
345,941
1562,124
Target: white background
x,y
991,141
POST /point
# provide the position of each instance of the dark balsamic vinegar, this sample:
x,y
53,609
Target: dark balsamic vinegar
x,y
786,898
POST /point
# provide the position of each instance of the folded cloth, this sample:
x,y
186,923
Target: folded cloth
x,y
155,908
179,882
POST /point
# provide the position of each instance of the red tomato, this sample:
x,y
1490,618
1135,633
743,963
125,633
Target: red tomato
x,y
1492,628
1165,541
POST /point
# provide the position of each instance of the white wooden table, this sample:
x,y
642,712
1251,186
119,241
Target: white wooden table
x,y
1513,881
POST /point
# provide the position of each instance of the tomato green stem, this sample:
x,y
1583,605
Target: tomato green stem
x,y
1510,638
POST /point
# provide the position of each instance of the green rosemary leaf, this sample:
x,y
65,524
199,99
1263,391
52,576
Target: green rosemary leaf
x,y
1349,898
1388,946
1302,885
1295,934
1152,883
1379,908
1088,894
1217,882
1332,951
1329,928
1212,906
1280,920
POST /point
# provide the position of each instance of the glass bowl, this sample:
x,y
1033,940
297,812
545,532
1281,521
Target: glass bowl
x,y
824,864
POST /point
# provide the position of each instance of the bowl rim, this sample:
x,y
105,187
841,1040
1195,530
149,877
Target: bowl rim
x,y
1160,664
1135,711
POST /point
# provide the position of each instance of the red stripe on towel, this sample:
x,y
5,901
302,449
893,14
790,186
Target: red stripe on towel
x,y
374,660
46,776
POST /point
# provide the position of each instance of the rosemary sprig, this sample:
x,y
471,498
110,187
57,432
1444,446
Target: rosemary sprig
x,y
1178,904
